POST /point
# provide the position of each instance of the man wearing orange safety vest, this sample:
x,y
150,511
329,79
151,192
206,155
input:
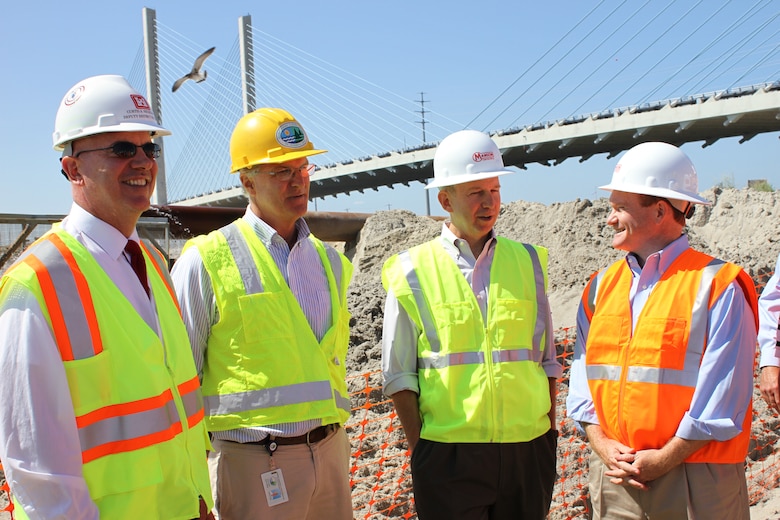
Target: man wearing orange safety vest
x,y
662,377
101,414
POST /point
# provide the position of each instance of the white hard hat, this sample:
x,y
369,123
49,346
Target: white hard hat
x,y
102,104
658,169
465,156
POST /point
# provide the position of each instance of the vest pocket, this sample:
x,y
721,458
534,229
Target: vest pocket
x,y
514,323
659,342
124,472
604,339
91,382
456,324
260,310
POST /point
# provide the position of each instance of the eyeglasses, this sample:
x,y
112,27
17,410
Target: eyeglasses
x,y
286,173
127,150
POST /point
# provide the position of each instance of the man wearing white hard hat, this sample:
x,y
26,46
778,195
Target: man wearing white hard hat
x,y
101,414
467,351
662,376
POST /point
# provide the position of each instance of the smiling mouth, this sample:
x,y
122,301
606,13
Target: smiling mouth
x,y
137,182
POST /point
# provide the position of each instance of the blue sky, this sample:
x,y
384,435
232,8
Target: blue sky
x,y
461,54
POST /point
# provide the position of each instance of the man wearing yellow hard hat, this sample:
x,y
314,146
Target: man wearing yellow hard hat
x,y
264,302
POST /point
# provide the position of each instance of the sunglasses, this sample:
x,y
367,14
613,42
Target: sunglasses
x,y
126,150
285,174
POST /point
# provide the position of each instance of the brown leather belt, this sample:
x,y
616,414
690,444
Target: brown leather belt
x,y
311,437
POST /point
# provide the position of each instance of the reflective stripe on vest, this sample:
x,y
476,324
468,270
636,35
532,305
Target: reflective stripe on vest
x,y
472,358
589,298
422,306
466,358
128,426
266,398
114,428
67,298
697,341
161,266
192,399
243,258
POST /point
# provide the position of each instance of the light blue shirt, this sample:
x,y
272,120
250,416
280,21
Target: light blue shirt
x,y
724,388
304,273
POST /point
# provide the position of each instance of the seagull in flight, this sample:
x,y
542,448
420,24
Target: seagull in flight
x,y
195,74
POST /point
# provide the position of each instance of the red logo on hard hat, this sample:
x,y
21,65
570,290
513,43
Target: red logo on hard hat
x,y
482,156
140,102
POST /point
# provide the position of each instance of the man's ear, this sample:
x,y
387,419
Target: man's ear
x,y
248,182
70,169
444,200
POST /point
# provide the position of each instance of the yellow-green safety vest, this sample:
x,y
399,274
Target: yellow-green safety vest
x,y
263,364
478,383
137,401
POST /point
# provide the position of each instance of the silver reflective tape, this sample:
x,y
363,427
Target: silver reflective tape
x,y
243,258
662,376
267,398
127,427
542,307
603,372
193,402
520,354
70,301
422,305
459,358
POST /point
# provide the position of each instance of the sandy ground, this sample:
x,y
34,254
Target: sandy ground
x,y
741,226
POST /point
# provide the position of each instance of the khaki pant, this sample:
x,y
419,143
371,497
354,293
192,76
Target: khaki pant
x,y
687,492
316,478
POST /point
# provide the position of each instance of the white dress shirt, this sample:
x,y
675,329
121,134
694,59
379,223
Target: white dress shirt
x,y
39,442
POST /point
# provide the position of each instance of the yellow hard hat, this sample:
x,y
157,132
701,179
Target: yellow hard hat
x,y
268,136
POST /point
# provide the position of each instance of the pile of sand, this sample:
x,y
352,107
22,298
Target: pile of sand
x,y
741,226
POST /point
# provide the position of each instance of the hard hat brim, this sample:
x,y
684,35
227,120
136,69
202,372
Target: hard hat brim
x,y
289,156
657,192
118,128
466,177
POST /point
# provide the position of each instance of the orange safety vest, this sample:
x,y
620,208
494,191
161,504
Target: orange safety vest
x,y
642,383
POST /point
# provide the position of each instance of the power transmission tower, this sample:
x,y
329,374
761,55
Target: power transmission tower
x,y
422,113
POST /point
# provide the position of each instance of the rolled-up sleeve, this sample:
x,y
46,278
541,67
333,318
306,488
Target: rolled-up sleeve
x,y
399,349
579,402
724,388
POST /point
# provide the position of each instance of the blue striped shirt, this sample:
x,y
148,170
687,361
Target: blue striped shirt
x,y
305,275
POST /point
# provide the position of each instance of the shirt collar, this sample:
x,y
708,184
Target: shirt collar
x,y
663,258
460,246
268,235
104,235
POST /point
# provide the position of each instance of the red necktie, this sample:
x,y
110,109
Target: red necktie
x,y
138,263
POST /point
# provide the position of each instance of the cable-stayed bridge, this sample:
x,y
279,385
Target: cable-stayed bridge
x,y
712,91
